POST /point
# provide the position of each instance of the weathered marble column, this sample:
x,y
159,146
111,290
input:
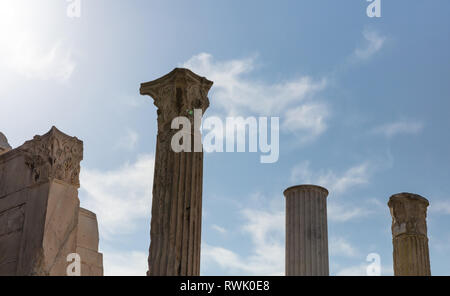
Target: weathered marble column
x,y
409,234
306,231
178,179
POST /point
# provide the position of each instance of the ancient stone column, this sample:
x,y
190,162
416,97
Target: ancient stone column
x,y
409,234
177,185
306,231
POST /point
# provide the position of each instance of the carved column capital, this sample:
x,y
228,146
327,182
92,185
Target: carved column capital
x,y
54,155
409,213
178,94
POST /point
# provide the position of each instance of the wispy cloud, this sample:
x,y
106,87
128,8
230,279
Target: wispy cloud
x,y
336,183
218,228
440,206
373,43
119,197
339,246
355,270
354,176
308,117
339,212
266,232
399,127
124,263
129,140
236,94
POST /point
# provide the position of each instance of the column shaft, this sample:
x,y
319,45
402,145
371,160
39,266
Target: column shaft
x,y
306,231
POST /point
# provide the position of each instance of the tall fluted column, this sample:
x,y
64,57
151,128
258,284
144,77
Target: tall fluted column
x,y
178,179
306,231
409,234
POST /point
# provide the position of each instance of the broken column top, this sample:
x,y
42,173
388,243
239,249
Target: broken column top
x,y
4,145
405,197
409,213
306,187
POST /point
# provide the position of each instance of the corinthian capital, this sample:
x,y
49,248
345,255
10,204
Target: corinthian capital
x,y
178,94
54,155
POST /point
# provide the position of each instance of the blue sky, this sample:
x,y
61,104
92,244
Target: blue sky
x,y
363,106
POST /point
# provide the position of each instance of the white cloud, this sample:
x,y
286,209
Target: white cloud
x,y
341,247
356,270
119,197
373,44
129,140
24,49
126,263
238,95
442,206
301,173
400,127
223,257
219,228
266,232
352,177
308,117
338,212
335,183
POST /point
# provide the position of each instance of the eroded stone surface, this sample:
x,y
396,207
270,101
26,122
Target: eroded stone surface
x,y
87,244
39,205
4,145
177,186
409,234
54,155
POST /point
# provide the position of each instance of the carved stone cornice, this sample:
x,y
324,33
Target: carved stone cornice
x,y
54,155
409,213
178,94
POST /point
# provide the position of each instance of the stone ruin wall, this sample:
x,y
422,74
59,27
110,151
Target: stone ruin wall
x,y
41,221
